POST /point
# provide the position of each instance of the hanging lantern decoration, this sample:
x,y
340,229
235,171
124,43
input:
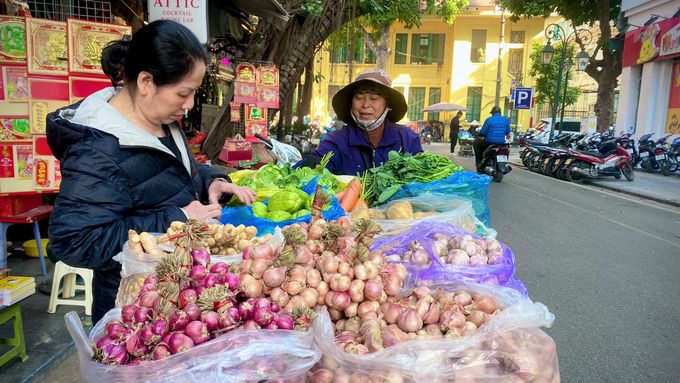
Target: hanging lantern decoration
x,y
245,91
268,87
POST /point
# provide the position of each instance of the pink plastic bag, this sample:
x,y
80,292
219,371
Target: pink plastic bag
x,y
237,356
509,348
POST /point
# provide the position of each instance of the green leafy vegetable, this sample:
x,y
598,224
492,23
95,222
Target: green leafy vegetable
x,y
279,215
286,201
260,209
302,213
287,178
381,183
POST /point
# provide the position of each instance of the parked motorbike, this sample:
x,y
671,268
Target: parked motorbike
x,y
673,153
646,150
495,161
555,159
662,158
609,160
540,153
628,142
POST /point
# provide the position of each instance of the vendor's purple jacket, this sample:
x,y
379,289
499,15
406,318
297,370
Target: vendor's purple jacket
x,y
352,152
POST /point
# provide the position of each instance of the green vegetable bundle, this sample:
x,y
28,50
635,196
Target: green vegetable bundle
x,y
274,176
287,204
379,184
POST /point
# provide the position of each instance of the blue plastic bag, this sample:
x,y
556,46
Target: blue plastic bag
x,y
244,215
464,184
501,273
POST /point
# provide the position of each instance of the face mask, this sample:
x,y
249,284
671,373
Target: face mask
x,y
370,124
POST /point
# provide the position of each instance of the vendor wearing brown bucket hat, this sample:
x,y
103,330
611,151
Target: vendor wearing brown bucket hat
x,y
370,108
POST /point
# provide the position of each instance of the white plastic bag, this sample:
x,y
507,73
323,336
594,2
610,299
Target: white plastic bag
x,y
453,210
509,348
237,356
136,266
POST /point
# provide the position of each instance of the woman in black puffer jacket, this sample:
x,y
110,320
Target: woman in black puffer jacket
x,y
125,161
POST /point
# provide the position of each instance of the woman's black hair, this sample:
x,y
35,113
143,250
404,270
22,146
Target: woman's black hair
x,y
165,49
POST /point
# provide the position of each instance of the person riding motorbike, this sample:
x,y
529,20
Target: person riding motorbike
x,y
425,132
493,132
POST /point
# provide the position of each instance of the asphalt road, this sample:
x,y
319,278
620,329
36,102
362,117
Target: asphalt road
x,y
606,265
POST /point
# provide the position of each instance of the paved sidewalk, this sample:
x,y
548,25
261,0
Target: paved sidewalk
x,y
652,186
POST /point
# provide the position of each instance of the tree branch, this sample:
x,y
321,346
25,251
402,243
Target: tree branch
x,y
369,40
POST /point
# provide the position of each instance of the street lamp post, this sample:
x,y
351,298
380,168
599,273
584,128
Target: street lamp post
x,y
556,32
567,67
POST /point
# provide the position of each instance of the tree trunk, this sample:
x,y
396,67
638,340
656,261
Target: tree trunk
x,y
605,71
298,105
290,45
307,91
133,15
382,50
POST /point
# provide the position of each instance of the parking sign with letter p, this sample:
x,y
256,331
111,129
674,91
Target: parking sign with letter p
x,y
523,98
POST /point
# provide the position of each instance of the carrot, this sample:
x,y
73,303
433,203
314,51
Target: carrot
x,y
341,195
359,203
353,191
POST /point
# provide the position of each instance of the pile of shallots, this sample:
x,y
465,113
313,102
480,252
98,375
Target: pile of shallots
x,y
415,317
210,303
458,250
320,264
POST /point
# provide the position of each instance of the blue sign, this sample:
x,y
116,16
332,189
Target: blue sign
x,y
523,98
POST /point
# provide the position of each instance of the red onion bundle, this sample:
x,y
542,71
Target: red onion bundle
x,y
417,316
207,305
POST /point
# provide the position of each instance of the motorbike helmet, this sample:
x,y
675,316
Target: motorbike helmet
x,y
495,109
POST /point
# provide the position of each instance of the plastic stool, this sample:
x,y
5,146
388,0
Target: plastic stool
x,y
68,290
18,342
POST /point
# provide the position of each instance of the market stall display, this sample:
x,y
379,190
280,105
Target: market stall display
x,y
409,288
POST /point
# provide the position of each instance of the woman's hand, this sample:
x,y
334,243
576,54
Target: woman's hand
x,y
243,193
197,210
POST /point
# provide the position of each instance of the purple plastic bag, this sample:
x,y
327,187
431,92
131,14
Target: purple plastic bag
x,y
501,273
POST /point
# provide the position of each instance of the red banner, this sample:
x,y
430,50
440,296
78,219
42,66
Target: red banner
x,y
6,161
655,42
57,173
673,116
41,173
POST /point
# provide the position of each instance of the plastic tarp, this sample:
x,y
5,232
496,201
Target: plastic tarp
x,y
464,184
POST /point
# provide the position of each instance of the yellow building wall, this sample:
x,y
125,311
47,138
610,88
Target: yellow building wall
x,y
455,75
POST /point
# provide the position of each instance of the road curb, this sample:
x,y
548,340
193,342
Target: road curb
x,y
610,188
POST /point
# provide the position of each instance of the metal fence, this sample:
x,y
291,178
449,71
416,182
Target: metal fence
x,y
59,10
574,113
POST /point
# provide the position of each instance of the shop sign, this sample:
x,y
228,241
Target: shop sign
x,y
190,13
658,41
670,42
